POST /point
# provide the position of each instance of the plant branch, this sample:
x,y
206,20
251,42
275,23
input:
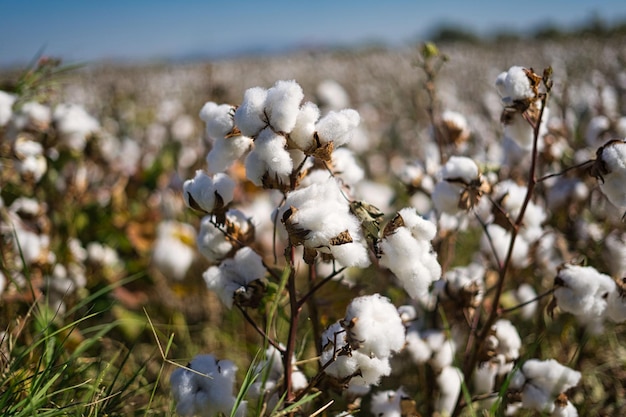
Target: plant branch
x,y
525,303
504,268
295,308
556,174
256,327
318,285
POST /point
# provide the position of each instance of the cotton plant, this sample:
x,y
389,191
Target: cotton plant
x,y
325,223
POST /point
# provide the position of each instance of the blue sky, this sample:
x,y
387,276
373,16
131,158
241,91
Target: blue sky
x,y
84,30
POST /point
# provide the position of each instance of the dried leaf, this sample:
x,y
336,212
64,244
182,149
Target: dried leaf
x,y
341,239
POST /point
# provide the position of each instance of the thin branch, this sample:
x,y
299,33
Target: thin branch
x,y
525,303
556,174
258,329
293,326
494,313
318,285
489,239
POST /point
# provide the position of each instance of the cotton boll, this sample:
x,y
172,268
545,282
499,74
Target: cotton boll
x,y
201,191
509,341
33,115
30,163
219,119
407,313
583,291
354,254
455,126
408,253
206,388
361,368
249,116
541,382
336,126
6,107
225,151
387,403
373,326
537,399
566,410
497,239
449,382
612,172
318,217
460,167
213,243
464,286
282,105
74,125
234,274
333,340
371,369
268,159
418,349
550,376
302,132
595,135
514,85
421,228
615,253
399,255
172,253
484,377
346,167
331,95
523,294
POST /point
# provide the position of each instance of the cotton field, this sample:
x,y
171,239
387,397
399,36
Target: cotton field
x,y
433,231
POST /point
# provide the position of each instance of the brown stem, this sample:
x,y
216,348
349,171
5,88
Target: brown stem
x,y
293,326
312,309
556,174
525,303
258,329
318,285
502,272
